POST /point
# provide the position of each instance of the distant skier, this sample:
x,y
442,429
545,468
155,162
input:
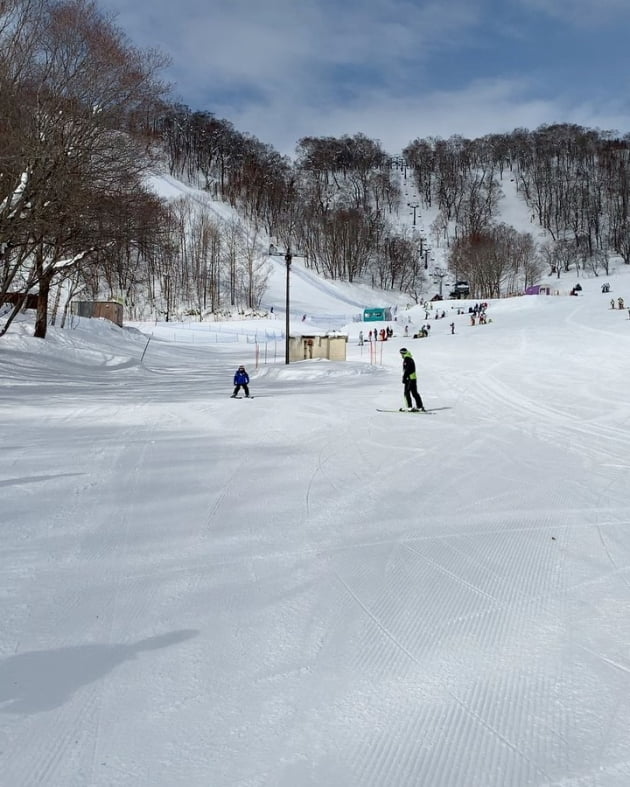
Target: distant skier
x,y
409,379
241,380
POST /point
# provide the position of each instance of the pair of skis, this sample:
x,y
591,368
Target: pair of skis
x,y
427,411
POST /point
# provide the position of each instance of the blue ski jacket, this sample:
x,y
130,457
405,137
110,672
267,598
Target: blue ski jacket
x,y
241,377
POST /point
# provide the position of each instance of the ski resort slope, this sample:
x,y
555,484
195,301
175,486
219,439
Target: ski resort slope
x,y
300,591
324,302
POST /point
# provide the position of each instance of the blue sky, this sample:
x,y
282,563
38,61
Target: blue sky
x,y
391,69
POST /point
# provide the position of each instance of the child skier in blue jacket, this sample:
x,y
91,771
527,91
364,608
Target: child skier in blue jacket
x,y
241,380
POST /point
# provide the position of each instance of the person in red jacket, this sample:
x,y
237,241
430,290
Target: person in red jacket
x,y
241,380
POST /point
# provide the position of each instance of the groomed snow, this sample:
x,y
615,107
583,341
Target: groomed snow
x,y
298,590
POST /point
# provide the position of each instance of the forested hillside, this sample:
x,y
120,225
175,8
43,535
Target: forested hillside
x,y
85,119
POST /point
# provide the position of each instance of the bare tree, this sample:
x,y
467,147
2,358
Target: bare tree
x,y
495,263
71,81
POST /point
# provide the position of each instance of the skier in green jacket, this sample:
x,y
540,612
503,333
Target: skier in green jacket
x,y
410,381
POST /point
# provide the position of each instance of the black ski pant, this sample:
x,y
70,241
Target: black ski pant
x,y
238,388
411,389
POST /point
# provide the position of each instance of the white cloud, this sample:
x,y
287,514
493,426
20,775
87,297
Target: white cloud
x,y
236,40
581,12
483,107
285,69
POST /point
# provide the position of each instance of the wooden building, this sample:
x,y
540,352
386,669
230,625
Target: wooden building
x,y
309,346
107,310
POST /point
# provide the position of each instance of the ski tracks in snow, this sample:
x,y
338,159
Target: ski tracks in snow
x,y
416,616
68,732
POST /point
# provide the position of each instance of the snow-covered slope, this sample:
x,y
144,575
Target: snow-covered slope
x,y
299,590
325,304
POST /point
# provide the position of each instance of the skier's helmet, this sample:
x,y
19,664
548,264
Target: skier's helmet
x,y
403,350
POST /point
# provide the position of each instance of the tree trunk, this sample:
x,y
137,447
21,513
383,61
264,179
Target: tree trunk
x,y
41,320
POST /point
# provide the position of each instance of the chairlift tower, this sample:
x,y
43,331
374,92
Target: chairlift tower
x,y
439,274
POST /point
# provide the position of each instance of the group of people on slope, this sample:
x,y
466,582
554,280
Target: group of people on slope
x,y
383,335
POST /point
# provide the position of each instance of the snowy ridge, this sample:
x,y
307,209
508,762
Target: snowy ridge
x,y
168,187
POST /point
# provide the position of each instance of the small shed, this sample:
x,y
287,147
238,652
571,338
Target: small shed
x,y
332,347
29,300
538,289
377,314
107,310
